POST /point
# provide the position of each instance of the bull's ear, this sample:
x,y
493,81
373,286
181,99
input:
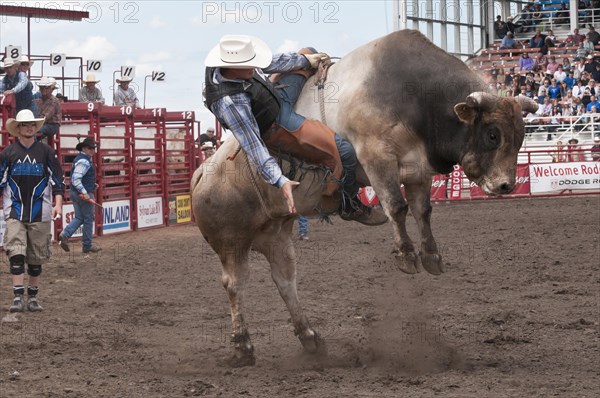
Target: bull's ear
x,y
465,113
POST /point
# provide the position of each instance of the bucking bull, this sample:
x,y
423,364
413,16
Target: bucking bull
x,y
411,111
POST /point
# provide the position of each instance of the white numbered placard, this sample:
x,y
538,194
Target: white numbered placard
x,y
128,71
94,65
158,76
59,60
13,52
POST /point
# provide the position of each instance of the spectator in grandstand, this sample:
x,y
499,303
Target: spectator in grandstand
x,y
500,27
560,74
125,95
302,228
536,15
508,42
83,185
529,91
575,38
593,103
526,21
494,72
559,155
574,152
588,46
28,191
595,150
525,63
543,92
578,67
570,80
89,92
596,73
510,25
508,78
537,41
552,66
593,35
590,64
578,89
555,121
209,135
593,87
49,108
550,39
502,90
16,83
586,99
566,64
208,149
541,62
562,16
554,90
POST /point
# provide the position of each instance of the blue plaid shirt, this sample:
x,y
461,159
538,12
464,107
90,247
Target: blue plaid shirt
x,y
235,111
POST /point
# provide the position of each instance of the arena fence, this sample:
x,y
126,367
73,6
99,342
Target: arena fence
x,y
146,157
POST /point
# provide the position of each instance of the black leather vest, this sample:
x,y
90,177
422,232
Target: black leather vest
x,y
264,101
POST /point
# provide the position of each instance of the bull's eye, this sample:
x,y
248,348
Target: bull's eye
x,y
493,136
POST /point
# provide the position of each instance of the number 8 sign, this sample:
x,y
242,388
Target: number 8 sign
x,y
58,60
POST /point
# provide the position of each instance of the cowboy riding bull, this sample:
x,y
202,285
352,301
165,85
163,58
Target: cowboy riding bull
x,y
403,110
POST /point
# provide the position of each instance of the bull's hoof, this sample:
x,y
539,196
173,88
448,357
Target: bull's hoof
x,y
432,262
241,359
407,262
314,344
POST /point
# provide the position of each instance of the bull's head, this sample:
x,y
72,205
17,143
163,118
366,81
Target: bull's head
x,y
496,132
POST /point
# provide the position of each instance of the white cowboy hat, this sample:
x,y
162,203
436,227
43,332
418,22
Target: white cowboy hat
x,y
90,78
25,60
239,51
8,62
124,79
47,82
23,116
207,145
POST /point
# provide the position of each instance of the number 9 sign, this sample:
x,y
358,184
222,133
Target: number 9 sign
x,y
58,60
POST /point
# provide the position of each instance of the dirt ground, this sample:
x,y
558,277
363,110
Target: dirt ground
x,y
516,314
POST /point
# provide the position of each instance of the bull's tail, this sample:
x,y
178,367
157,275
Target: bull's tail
x,y
196,177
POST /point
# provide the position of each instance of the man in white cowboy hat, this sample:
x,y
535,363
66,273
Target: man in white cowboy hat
x,y
31,175
83,185
208,149
244,100
89,92
125,95
48,107
16,83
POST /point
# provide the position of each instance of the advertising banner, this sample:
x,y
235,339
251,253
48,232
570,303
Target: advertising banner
x,y
553,177
116,216
149,212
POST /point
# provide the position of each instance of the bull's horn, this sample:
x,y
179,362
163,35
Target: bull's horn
x,y
482,100
527,104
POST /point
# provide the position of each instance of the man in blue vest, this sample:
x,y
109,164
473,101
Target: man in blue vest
x,y
83,183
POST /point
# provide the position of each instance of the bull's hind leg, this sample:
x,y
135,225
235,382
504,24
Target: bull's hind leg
x,y
234,277
279,250
420,205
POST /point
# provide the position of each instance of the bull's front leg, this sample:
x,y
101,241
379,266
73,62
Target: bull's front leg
x,y
387,187
418,196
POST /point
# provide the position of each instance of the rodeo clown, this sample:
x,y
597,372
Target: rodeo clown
x,y
246,102
31,175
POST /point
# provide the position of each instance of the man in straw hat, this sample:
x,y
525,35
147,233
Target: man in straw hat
x,y
83,184
208,149
89,92
239,94
31,175
49,107
125,95
16,83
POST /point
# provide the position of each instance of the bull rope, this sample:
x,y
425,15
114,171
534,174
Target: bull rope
x,y
321,74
